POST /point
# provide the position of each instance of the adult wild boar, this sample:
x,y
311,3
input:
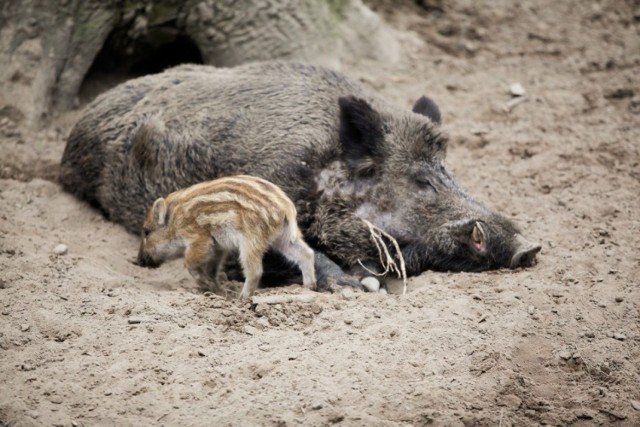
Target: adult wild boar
x,y
339,151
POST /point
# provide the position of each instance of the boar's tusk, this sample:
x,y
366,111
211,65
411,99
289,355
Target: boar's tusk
x,y
525,252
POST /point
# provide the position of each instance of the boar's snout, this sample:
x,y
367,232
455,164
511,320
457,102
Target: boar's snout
x,y
525,254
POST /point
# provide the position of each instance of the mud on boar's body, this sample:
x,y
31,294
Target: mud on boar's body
x,y
341,153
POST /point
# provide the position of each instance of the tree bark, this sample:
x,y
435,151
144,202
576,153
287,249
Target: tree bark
x,y
48,46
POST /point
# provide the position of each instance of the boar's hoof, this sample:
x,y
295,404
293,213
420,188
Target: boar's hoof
x,y
330,277
525,255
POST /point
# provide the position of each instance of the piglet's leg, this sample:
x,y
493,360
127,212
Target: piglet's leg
x,y
251,261
220,259
301,254
196,260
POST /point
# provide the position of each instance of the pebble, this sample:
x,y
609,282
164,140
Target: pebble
x,y
531,309
348,293
589,334
619,299
55,399
511,401
316,406
133,321
516,89
61,249
619,336
250,330
201,353
585,413
371,284
635,404
262,309
25,327
565,355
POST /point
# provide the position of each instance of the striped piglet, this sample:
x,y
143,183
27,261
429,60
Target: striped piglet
x,y
205,222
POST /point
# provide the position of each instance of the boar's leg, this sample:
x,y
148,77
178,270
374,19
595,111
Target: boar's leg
x,y
329,274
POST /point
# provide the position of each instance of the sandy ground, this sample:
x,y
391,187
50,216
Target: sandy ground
x,y
87,338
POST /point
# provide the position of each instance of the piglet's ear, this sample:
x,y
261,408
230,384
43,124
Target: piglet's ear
x,y
361,135
160,211
427,107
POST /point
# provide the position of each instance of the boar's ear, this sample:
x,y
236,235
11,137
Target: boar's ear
x,y
160,211
427,107
361,135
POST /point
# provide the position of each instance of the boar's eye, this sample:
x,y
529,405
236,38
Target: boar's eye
x,y
425,184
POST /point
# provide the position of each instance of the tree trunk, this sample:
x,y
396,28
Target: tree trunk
x,y
47,47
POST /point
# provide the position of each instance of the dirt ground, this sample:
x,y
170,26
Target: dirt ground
x,y
87,338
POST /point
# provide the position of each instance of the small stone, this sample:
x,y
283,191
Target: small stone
x,y
477,297
619,299
262,309
516,89
34,414
250,330
348,293
61,249
577,358
585,413
133,321
589,334
565,355
531,309
619,336
25,327
108,393
348,321
266,348
55,399
316,406
201,353
371,284
511,401
635,404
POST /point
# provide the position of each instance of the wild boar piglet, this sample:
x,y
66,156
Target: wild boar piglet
x,y
207,221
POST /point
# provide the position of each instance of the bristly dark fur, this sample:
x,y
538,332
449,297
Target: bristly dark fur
x,y
340,152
